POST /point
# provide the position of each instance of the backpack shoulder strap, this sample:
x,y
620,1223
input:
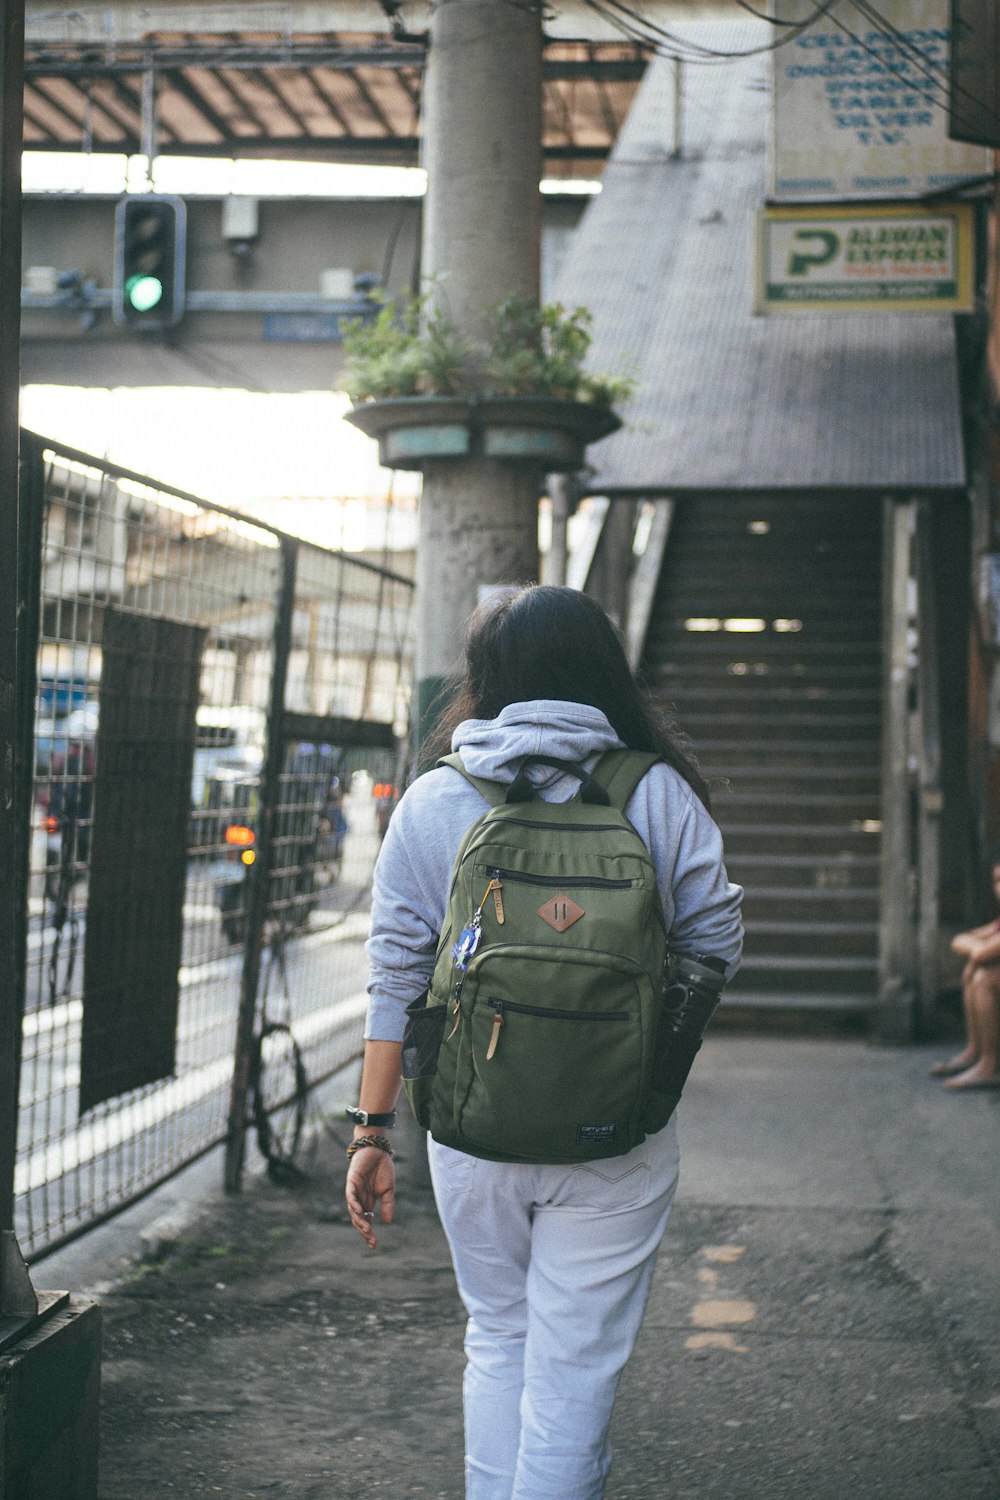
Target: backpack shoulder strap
x,y
492,791
620,771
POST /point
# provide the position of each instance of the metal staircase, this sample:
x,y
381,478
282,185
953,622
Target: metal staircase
x,y
765,636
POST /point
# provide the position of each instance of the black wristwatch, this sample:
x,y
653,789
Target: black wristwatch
x,y
365,1117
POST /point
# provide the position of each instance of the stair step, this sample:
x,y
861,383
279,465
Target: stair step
x,y
802,904
787,707
811,940
854,755
833,1001
848,815
820,973
747,692
792,839
814,929
835,866
715,676
806,727
832,776
681,645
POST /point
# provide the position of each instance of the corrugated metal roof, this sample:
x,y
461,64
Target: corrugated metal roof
x,y
727,400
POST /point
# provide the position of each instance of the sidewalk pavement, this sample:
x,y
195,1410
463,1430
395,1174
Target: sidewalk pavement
x,y
824,1323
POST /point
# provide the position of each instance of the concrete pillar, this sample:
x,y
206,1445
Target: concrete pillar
x,y
481,237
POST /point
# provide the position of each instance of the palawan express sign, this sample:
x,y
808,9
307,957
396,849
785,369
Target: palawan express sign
x,y
901,257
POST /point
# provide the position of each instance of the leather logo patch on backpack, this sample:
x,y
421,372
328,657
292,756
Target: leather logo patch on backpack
x,y
560,912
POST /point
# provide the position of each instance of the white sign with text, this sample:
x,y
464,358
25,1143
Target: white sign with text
x,y
861,110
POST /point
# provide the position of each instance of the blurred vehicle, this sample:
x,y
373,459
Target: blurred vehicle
x,y
308,842
54,733
66,802
228,747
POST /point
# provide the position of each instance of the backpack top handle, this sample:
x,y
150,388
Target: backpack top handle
x,y
522,790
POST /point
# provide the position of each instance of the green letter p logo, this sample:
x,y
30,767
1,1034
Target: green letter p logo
x,y
802,261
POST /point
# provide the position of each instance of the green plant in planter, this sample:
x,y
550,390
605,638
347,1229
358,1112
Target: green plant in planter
x,y
537,351
403,351
409,350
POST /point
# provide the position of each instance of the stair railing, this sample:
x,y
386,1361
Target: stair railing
x,y
930,798
911,774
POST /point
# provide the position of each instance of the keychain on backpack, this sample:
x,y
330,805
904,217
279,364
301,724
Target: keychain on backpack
x,y
468,942
468,938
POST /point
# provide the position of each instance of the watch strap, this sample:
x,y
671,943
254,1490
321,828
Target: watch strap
x,y
366,1117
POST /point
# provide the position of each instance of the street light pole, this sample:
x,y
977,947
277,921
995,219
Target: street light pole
x,y
481,243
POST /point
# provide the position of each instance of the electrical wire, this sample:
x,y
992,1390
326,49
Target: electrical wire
x,y
927,64
891,34
683,49
934,75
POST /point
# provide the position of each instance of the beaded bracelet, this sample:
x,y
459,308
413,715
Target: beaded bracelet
x,y
380,1142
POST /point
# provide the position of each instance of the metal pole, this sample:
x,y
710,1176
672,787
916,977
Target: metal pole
x,y
12,916
561,488
677,150
257,887
931,802
481,238
149,121
898,959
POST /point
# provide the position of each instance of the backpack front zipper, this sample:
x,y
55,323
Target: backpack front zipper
x,y
560,880
500,1008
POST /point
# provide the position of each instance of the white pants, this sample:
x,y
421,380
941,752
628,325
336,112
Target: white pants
x,y
554,1265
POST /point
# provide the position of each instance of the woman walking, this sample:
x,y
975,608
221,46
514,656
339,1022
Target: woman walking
x,y
554,1262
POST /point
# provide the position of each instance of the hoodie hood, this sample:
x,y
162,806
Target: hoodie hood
x,y
494,748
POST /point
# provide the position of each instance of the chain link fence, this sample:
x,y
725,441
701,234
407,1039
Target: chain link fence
x,y
216,704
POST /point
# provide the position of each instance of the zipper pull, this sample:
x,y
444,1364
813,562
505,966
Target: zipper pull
x,y
495,1033
456,1012
498,899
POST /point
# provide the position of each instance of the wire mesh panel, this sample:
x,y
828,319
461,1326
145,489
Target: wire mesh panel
x,y
347,708
155,664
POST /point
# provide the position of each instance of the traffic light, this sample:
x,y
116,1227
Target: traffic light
x,y
150,236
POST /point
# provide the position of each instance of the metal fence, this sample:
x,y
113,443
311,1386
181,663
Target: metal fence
x,y
215,704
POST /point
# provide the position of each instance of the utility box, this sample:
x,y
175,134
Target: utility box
x,y
50,1382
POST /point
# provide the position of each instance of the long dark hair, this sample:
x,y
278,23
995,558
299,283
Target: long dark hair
x,y
545,642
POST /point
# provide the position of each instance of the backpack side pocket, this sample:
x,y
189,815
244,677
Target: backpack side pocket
x,y
659,1105
421,1046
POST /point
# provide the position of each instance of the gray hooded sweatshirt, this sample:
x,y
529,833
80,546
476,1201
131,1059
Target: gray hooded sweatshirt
x,y
414,867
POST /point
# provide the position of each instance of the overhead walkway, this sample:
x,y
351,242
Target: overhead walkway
x,y
792,461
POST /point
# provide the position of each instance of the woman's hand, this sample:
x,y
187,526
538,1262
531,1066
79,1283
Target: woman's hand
x,y
371,1179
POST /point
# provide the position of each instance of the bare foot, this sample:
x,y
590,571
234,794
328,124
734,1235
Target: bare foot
x,y
982,1075
956,1064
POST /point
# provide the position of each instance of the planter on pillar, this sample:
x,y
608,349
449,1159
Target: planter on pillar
x,y
548,433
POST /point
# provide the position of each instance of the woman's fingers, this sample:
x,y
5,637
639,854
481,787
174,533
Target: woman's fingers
x,y
369,1181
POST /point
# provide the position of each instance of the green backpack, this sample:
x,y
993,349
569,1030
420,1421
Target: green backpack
x,y
537,1040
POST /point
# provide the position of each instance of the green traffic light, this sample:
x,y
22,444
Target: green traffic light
x,y
143,292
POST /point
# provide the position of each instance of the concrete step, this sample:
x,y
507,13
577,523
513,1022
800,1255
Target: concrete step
x,y
801,904
745,695
834,1002
782,808
819,939
729,724
833,870
711,676
776,973
795,838
778,755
